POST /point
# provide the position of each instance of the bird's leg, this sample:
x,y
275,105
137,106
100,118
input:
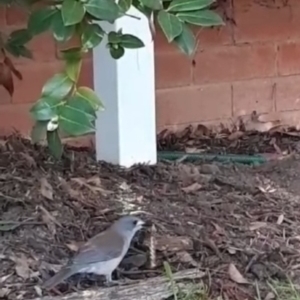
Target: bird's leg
x,y
109,281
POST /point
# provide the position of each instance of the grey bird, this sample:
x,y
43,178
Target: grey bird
x,y
102,254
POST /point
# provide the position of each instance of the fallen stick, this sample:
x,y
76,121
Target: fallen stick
x,y
156,288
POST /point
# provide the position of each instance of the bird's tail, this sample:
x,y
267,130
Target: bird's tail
x,y
59,277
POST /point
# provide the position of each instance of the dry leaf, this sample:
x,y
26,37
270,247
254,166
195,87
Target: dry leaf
x,y
270,296
4,292
257,225
185,257
73,246
95,180
201,131
72,193
29,159
4,278
94,189
10,64
235,275
22,267
280,219
235,135
124,186
140,199
79,180
38,290
219,229
46,189
50,267
49,219
231,251
192,188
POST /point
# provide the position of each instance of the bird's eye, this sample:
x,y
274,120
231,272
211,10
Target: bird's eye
x,y
135,222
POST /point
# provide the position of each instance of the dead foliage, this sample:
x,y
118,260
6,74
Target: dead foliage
x,y
238,224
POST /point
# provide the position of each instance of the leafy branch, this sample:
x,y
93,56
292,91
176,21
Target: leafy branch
x,y
64,108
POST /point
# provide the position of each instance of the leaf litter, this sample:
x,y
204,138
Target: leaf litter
x,y
209,216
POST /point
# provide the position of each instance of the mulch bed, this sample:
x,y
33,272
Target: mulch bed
x,y
202,140
239,224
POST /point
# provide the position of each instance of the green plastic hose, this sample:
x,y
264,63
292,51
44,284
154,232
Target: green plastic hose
x,y
193,157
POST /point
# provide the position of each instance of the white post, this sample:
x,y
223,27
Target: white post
x,y
126,129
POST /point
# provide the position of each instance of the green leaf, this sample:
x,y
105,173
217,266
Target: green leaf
x,y
186,41
20,37
58,86
116,51
106,10
131,42
114,37
61,32
18,50
84,106
189,5
125,5
72,12
38,131
73,59
90,96
40,20
204,18
143,9
153,4
44,109
54,143
170,25
73,121
92,35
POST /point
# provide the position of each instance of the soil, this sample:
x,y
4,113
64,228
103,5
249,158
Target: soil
x,y
240,224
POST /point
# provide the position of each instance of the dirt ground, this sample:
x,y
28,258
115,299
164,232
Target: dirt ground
x,y
240,224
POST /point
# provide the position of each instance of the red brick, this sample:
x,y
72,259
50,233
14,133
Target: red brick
x,y
193,104
2,16
258,95
295,11
230,63
256,22
288,93
15,117
291,118
35,76
161,44
86,75
289,58
172,69
5,97
16,16
207,37
42,48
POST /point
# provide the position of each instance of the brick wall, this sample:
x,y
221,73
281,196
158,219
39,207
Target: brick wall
x,y
253,65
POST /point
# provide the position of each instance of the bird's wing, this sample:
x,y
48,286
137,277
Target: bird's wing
x,y
104,246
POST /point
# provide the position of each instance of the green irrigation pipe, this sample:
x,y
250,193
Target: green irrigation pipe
x,y
193,157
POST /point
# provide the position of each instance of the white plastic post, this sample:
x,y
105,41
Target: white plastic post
x,y
126,129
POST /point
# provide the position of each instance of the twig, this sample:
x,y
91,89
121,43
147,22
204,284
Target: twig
x,y
154,289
